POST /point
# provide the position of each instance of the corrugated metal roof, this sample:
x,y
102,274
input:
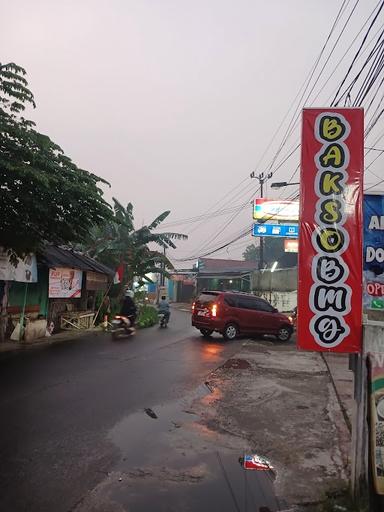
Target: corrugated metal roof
x,y
53,256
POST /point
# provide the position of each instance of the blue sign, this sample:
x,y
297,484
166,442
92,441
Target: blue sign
x,y
373,291
282,230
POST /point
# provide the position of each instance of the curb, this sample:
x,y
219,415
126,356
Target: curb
x,y
44,342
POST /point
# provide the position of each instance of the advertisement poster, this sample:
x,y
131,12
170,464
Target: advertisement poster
x,y
377,420
330,231
373,287
64,283
24,272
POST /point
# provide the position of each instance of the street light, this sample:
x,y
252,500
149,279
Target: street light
x,y
281,184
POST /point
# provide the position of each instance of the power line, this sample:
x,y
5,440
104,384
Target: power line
x,y
296,115
381,113
197,218
242,234
334,102
362,95
340,13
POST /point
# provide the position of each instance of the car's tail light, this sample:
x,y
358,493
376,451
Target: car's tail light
x,y
193,306
214,310
118,317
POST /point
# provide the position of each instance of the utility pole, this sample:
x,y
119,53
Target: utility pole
x,y
162,277
262,178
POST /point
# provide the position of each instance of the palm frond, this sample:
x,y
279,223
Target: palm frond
x,y
159,220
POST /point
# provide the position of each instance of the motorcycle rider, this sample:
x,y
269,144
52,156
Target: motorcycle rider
x,y
128,308
164,308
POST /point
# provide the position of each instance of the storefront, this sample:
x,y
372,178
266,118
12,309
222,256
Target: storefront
x,y
74,280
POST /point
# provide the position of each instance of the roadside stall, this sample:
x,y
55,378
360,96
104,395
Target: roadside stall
x,y
74,280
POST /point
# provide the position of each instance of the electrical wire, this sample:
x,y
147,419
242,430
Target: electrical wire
x,y
335,101
305,85
361,98
296,115
367,88
308,80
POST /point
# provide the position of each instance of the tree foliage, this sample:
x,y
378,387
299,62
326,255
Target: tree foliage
x,y
119,243
44,196
273,251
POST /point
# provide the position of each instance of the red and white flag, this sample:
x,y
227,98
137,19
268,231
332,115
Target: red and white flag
x,y
119,274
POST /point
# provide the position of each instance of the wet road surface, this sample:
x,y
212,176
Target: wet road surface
x,y
108,426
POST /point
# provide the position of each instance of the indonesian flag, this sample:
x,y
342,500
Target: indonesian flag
x,y
119,274
256,462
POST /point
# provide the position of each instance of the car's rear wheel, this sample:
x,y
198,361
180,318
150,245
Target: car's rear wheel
x,y
230,332
206,332
284,333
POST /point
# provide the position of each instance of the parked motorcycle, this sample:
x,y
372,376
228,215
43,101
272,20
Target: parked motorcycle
x,y
163,320
293,317
122,325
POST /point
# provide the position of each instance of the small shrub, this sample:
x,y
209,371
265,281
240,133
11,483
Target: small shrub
x,y
341,502
147,317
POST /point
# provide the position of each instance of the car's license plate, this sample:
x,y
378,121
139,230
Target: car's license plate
x,y
201,313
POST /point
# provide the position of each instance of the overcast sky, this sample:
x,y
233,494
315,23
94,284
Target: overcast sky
x,y
173,102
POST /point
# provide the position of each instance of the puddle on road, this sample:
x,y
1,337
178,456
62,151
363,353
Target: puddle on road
x,y
175,463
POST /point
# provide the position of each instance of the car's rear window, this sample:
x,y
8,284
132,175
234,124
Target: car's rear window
x,y
230,300
207,297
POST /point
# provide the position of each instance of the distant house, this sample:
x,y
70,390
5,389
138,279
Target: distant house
x,y
220,274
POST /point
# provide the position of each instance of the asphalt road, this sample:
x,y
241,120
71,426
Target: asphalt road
x,y
75,436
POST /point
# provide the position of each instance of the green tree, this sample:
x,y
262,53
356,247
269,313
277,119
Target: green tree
x,y
251,253
119,243
44,196
273,251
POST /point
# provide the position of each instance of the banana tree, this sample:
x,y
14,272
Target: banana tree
x,y
119,243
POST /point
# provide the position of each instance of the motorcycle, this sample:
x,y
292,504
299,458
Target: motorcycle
x,y
122,325
293,317
163,320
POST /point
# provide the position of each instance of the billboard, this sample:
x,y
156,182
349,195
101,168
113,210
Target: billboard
x,y
376,391
65,283
373,283
267,209
278,230
330,256
291,245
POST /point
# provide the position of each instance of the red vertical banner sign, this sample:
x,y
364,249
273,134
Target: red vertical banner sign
x,y
330,240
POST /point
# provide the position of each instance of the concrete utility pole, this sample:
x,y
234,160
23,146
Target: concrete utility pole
x,y
162,277
262,179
